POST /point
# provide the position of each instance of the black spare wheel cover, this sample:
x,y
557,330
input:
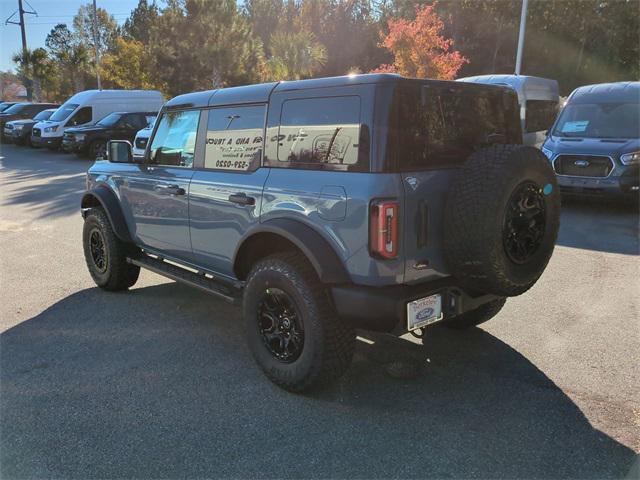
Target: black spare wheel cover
x,y
501,220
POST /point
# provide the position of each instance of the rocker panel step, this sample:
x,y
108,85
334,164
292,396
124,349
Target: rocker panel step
x,y
196,280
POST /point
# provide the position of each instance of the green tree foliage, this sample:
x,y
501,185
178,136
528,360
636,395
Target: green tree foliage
x,y
35,70
127,66
140,22
197,44
107,28
294,56
71,59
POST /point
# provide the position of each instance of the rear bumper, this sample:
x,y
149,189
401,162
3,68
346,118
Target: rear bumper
x,y
384,309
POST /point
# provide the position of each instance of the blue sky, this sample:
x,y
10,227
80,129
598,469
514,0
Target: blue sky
x,y
50,13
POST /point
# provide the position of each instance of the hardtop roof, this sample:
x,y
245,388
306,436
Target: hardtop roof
x,y
261,92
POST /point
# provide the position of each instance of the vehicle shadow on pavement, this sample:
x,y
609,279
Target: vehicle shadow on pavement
x,y
599,225
158,383
55,180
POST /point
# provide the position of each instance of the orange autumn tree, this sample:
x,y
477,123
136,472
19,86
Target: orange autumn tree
x,y
419,49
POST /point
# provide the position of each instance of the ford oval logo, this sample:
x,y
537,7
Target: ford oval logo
x,y
581,163
424,314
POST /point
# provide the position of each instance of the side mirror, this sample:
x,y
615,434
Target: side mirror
x,y
120,151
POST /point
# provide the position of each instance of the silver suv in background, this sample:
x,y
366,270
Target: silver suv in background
x,y
594,146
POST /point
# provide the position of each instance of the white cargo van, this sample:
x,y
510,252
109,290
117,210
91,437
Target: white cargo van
x,y
90,106
539,101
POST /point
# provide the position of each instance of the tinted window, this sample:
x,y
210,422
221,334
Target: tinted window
x,y
234,138
175,139
132,120
540,115
433,128
602,120
63,112
321,132
44,115
110,120
81,117
5,106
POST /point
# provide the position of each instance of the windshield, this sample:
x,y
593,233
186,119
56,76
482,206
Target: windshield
x,y
63,112
110,120
599,120
4,106
44,115
17,108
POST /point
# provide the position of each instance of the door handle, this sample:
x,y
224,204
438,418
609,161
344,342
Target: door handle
x,y
242,199
171,189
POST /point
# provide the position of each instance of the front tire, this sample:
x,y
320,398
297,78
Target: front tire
x,y
106,255
292,327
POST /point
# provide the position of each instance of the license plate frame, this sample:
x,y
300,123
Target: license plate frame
x,y
424,311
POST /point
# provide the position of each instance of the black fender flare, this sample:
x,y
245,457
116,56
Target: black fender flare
x,y
319,252
110,204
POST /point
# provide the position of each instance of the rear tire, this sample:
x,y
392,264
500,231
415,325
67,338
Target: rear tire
x,y
475,317
106,255
292,328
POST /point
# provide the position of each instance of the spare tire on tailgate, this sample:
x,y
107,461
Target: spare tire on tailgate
x,y
501,220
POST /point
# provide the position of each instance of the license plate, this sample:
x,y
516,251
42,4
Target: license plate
x,y
424,311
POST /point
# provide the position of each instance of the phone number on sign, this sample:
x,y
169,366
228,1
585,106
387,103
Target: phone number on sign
x,y
232,164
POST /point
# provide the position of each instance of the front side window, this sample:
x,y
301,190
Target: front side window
x,y
235,138
599,120
175,139
63,112
540,115
81,117
435,128
320,132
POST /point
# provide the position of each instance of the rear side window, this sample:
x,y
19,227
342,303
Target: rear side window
x,y
321,133
438,128
540,115
235,138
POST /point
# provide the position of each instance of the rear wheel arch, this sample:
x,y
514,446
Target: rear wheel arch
x,y
281,235
104,198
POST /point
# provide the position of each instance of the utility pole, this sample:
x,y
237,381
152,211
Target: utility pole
x,y
21,12
95,42
523,25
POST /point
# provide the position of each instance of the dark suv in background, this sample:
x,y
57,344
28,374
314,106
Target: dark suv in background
x,y
322,206
21,111
19,131
91,140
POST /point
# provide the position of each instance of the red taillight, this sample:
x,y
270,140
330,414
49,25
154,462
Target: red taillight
x,y
383,228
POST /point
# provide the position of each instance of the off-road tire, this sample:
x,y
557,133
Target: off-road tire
x,y
475,317
118,273
475,213
328,342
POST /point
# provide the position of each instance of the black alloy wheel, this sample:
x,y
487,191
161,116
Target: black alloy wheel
x,y
98,250
524,222
280,325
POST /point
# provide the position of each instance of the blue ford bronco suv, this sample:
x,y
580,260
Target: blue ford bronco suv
x,y
321,206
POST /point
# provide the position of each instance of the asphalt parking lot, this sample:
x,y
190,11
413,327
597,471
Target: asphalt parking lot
x,y
158,382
